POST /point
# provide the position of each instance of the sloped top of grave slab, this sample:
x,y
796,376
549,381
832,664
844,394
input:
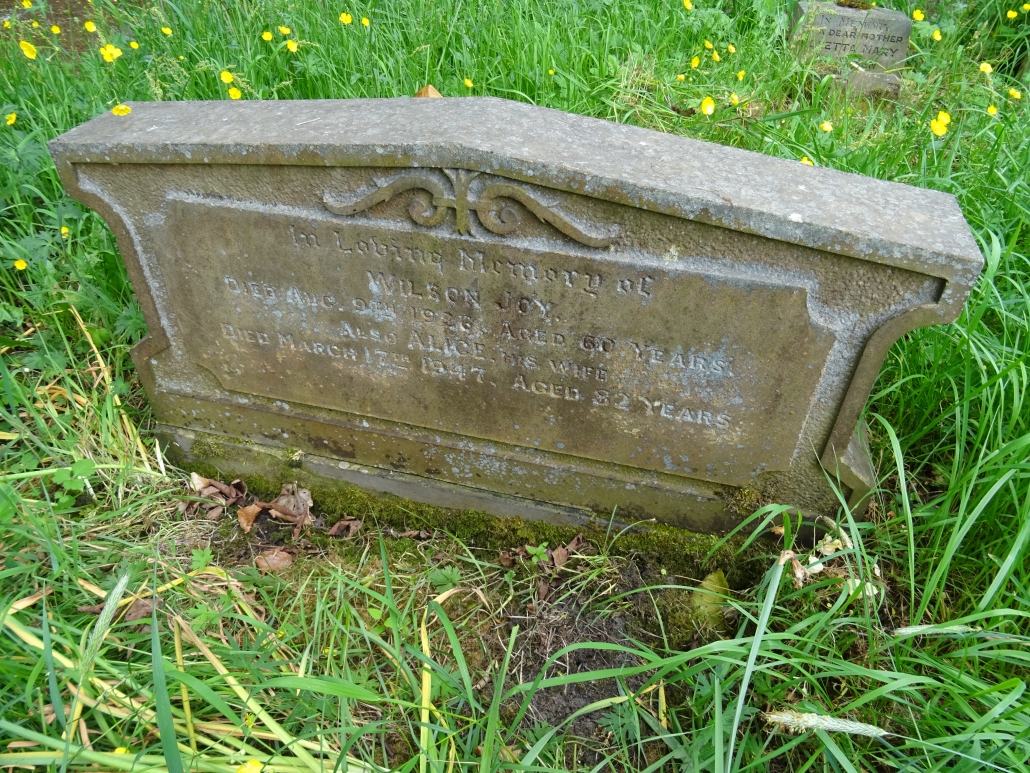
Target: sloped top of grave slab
x,y
898,225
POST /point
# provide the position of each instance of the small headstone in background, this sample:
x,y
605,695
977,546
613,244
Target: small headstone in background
x,y
874,39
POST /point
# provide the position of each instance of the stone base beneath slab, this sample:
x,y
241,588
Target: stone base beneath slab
x,y
874,85
479,520
228,454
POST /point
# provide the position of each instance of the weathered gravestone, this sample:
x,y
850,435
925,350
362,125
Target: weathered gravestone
x,y
875,39
485,304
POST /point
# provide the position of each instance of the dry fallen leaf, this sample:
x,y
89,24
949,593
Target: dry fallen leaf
x,y
428,91
198,482
274,560
577,544
246,516
296,500
28,601
139,609
559,555
543,589
800,572
22,744
347,528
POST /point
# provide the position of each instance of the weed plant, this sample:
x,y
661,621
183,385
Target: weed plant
x,y
912,656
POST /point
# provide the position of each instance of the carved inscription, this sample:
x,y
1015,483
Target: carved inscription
x,y
844,34
585,355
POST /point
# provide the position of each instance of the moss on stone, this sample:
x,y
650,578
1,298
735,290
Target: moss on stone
x,y
654,547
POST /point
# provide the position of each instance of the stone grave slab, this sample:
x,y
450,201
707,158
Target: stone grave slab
x,y
485,304
875,39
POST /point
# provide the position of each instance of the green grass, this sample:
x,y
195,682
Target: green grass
x,y
387,676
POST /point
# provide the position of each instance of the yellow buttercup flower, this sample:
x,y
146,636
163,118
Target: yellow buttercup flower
x,y
688,5
133,45
35,25
226,76
55,29
1026,7
121,109
937,35
731,48
1015,94
992,110
715,56
11,118
110,53
364,21
681,77
826,126
250,766
7,24
734,100
27,48
708,45
166,30
20,264
986,67
65,230
121,750
741,74
468,83
235,93
266,35
695,62
26,3
807,161
550,72
918,15
284,30
1011,14
291,44
938,127
707,105
346,18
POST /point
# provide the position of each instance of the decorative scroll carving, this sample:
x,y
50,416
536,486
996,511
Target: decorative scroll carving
x,y
430,204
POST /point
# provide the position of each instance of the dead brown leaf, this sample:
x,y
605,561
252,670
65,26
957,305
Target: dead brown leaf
x,y
506,559
428,91
346,528
559,556
297,501
412,534
139,609
49,715
543,589
28,601
576,544
21,744
218,494
274,560
246,515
